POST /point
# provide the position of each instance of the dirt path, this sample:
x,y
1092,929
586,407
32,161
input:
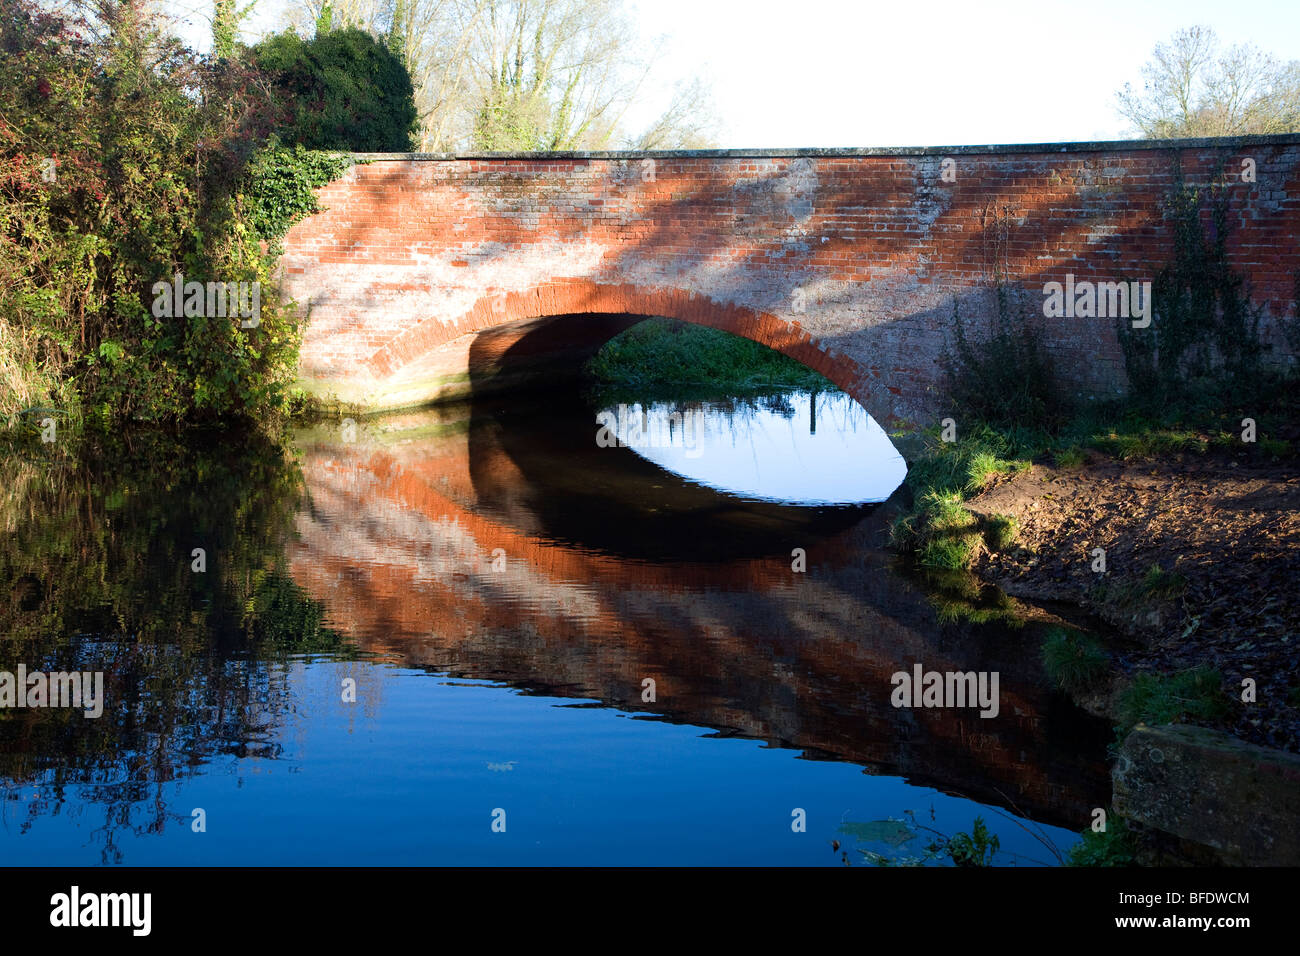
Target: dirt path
x,y
1226,536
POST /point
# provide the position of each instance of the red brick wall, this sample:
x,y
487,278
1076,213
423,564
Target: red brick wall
x,y
849,261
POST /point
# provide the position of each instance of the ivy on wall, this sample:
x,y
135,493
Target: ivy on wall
x,y
282,184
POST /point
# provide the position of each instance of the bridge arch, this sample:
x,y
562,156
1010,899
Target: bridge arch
x,y
577,296
410,252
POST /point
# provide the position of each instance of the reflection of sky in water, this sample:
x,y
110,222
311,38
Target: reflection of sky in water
x,y
411,774
780,448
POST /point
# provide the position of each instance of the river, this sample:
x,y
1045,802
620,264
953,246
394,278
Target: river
x,y
546,629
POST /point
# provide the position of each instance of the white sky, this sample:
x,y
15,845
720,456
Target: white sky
x,y
814,73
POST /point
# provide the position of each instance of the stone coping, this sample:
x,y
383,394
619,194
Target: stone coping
x,y
1122,145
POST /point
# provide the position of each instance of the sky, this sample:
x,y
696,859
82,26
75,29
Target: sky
x,y
862,73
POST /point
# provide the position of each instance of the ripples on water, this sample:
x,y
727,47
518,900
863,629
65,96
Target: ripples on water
x,y
609,644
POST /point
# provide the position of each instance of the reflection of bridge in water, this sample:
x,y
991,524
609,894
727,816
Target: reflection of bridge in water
x,y
599,589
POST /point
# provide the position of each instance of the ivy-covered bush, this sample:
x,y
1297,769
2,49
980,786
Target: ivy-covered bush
x,y
119,151
342,90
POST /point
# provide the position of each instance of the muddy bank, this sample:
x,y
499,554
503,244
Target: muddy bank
x,y
1223,537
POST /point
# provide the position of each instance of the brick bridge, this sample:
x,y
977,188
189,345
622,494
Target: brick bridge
x,y
429,277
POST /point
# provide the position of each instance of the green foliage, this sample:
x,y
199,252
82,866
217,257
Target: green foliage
x,y
1006,379
661,352
975,848
341,90
1069,457
1152,698
1204,329
1159,583
396,37
1000,531
281,185
1075,662
967,465
1111,847
939,529
141,191
226,18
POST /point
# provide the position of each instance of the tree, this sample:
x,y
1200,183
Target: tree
x,y
689,122
526,74
1194,87
342,90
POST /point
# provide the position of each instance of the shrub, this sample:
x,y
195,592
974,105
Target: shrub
x,y
1006,379
139,188
1204,330
341,90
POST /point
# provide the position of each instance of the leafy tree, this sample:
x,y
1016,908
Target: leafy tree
x,y
342,90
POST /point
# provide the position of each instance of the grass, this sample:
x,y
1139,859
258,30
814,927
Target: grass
x,y
1000,532
663,352
1071,457
1144,599
1161,584
1075,662
1275,447
1151,698
33,378
1111,847
939,529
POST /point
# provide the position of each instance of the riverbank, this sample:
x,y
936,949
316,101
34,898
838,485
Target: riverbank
x,y
1180,545
1200,553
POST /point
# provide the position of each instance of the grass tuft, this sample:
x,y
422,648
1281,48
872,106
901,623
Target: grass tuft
x,y
1154,699
1075,662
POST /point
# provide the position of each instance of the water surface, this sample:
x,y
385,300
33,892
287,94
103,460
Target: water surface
x,y
479,614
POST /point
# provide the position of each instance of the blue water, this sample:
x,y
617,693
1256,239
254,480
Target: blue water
x,y
550,574
405,776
